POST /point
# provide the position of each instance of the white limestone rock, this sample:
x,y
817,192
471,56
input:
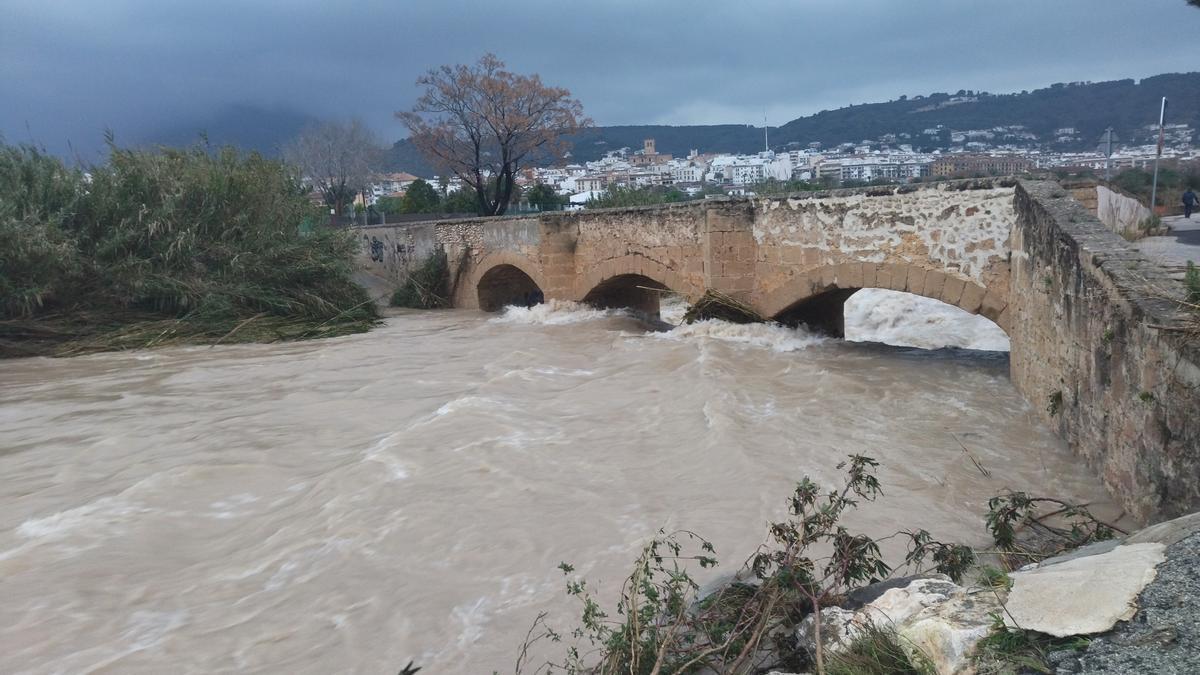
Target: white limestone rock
x,y
838,629
942,620
1084,595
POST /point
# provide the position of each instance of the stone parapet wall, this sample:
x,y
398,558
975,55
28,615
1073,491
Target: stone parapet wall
x,y
947,241
403,247
1089,351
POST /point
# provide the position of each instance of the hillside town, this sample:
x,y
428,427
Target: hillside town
x,y
893,158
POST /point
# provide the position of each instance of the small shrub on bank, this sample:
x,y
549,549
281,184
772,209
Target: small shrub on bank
x,y
810,561
209,240
428,286
660,624
1024,531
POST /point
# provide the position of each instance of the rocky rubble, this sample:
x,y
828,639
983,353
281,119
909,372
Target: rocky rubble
x,y
1143,612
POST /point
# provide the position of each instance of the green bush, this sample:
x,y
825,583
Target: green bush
x,y
810,560
622,196
208,238
1191,281
427,287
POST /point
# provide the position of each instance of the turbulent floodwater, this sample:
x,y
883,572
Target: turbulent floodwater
x,y
349,504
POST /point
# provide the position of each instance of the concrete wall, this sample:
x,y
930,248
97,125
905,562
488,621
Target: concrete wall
x,y
1087,354
1119,212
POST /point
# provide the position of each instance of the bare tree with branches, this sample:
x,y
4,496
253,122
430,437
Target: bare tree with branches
x,y
338,159
483,123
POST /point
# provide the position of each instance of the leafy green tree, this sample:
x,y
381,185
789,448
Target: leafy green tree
x,y
544,198
460,201
420,197
773,186
619,195
390,205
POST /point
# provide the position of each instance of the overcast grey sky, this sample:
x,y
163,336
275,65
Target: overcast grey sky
x,y
69,69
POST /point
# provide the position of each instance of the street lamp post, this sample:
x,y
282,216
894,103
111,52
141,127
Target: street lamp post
x,y
1162,112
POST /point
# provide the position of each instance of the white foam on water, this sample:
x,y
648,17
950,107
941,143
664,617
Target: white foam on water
x,y
672,308
147,629
378,452
471,617
555,313
232,507
767,335
103,511
907,320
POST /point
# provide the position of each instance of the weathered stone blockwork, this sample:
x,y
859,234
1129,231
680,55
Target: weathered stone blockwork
x,y
1088,352
1026,256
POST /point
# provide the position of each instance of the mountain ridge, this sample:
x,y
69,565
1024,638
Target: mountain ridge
x,y
1127,105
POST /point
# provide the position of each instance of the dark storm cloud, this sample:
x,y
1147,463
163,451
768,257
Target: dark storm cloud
x,y
70,69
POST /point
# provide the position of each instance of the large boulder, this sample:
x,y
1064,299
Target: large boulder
x,y
935,616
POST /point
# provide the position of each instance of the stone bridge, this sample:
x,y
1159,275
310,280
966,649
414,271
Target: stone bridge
x,y
1081,308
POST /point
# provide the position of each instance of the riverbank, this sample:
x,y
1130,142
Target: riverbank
x,y
155,248
81,333
1126,605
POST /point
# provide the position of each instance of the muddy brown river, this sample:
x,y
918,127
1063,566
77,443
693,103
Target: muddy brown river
x,y
349,504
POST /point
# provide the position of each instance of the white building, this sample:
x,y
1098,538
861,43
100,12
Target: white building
x,y
687,173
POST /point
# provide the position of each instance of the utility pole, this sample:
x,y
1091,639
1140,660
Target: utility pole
x,y
1106,142
766,144
1162,112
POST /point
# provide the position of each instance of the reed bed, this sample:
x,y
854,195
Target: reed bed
x,y
164,247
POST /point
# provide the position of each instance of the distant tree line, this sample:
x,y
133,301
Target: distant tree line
x,y
1173,180
422,197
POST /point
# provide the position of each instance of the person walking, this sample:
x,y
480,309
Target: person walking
x,y
1189,203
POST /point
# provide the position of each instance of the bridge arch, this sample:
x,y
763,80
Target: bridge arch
x,y
630,291
631,281
817,296
506,278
